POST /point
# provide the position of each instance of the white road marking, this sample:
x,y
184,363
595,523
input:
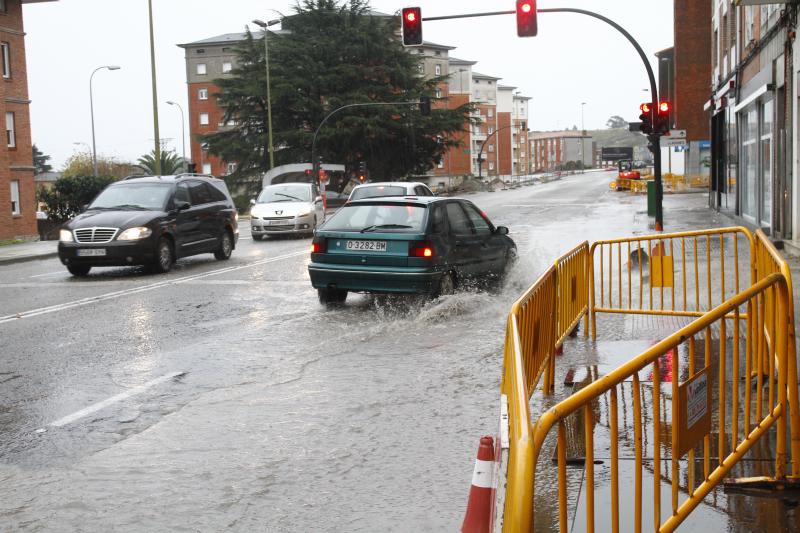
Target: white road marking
x,y
144,288
49,274
114,399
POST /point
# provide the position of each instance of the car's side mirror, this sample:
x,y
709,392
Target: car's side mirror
x,y
252,201
182,206
501,230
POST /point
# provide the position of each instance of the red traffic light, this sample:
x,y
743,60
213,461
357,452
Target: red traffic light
x,y
412,26
645,107
526,18
663,108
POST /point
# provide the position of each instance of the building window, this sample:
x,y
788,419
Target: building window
x,y
490,113
231,168
6,53
3,6
202,94
491,165
201,69
421,68
438,93
206,168
491,129
15,209
491,148
11,134
204,119
201,50
441,164
224,49
227,67
438,70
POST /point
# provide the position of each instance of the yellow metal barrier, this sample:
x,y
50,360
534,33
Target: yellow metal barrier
x,y
673,274
758,418
710,290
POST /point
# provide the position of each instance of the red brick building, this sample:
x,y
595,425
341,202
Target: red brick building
x,y
17,188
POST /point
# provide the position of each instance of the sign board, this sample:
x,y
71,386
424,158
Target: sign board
x,y
615,154
694,410
666,141
676,134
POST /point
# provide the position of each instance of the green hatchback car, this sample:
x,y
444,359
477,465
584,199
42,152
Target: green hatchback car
x,y
422,245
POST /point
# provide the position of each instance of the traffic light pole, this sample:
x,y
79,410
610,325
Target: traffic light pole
x,y
655,138
480,153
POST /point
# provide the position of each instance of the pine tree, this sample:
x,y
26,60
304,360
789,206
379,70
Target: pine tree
x,y
331,54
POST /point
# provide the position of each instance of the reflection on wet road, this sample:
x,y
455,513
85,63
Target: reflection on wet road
x,y
223,396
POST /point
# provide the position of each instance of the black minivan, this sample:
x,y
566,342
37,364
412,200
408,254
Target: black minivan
x,y
151,220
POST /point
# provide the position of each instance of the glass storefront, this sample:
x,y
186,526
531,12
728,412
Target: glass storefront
x,y
766,163
756,128
749,168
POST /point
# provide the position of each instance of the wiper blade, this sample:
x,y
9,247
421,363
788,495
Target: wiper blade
x,y
289,196
128,206
385,226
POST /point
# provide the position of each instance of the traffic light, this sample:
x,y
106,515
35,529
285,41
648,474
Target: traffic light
x,y
662,124
425,105
412,26
647,118
362,171
526,18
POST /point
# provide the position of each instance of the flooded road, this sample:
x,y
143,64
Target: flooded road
x,y
223,396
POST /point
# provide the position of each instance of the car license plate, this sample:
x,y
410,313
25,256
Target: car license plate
x,y
91,252
278,222
367,246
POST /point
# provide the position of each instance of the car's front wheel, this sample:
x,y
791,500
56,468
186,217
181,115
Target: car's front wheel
x,y
79,270
331,296
225,247
164,256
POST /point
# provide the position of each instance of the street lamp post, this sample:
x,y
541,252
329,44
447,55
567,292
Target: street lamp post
x,y
265,26
583,136
183,134
157,149
91,112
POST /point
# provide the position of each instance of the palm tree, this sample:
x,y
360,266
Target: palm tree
x,y
171,163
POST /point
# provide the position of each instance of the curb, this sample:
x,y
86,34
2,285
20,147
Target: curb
x,y
25,258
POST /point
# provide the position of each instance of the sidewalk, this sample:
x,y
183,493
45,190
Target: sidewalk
x,y
620,338
28,251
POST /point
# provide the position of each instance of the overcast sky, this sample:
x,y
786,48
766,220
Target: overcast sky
x,y
574,59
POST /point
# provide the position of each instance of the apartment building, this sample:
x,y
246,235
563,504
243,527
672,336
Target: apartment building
x,y
215,57
555,150
17,187
753,117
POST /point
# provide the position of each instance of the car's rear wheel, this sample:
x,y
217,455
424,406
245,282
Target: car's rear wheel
x,y
331,296
79,270
165,256
446,285
225,247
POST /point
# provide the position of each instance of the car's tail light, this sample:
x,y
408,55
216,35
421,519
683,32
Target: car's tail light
x,y
421,249
319,245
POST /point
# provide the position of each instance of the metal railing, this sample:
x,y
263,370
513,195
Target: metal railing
x,y
755,328
673,274
757,415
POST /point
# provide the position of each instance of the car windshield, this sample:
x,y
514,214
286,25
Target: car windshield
x,y
285,193
133,196
378,190
378,217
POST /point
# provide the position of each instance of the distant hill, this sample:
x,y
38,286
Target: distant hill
x,y
616,138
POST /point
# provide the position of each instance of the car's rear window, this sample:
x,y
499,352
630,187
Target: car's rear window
x,y
378,217
378,190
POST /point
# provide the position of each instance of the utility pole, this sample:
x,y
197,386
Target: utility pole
x,y
157,149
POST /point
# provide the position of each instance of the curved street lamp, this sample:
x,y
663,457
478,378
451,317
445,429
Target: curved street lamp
x,y
265,26
480,153
183,134
91,111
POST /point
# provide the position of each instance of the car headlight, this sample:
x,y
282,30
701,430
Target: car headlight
x,y
134,234
303,213
65,235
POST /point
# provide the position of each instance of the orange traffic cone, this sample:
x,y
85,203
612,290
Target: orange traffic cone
x,y
480,512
